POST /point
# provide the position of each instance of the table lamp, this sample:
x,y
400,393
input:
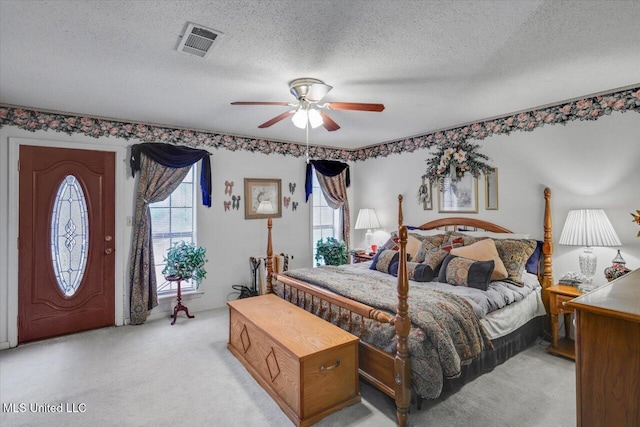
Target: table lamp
x,y
588,228
367,219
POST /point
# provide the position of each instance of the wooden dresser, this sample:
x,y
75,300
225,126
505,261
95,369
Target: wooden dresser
x,y
608,353
307,365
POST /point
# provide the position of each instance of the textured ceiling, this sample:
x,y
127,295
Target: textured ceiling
x,y
433,64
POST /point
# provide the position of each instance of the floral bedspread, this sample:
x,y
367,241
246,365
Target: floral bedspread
x,y
445,332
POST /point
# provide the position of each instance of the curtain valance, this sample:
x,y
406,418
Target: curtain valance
x,y
329,168
175,156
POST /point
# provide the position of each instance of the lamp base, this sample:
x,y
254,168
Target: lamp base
x,y
588,263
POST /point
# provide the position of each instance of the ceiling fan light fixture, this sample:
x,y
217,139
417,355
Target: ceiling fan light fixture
x,y
315,118
300,118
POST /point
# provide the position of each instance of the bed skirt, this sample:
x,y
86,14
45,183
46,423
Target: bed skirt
x,y
503,348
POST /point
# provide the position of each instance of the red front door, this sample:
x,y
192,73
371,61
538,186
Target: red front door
x,y
66,241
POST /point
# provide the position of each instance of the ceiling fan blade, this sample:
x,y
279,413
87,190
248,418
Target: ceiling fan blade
x,y
354,106
285,104
276,119
328,122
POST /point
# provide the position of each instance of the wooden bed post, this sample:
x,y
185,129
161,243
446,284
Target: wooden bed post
x,y
269,257
400,219
547,249
402,364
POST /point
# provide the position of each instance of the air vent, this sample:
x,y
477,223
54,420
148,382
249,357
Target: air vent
x,y
198,40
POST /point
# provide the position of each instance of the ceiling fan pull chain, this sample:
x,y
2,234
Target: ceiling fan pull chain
x,y
307,128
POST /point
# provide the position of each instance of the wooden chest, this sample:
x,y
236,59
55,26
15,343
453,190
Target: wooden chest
x,y
307,365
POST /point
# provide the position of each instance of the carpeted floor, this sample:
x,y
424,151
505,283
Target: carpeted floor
x,y
162,375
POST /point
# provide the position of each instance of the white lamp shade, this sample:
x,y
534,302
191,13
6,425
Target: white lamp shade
x,y
300,118
588,227
367,219
315,118
265,207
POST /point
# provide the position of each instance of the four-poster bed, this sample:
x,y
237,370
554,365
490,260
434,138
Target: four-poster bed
x,y
390,369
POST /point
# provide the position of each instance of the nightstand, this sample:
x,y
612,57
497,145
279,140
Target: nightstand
x,y
360,257
558,295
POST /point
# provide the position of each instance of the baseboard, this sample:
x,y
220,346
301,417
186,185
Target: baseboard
x,y
5,345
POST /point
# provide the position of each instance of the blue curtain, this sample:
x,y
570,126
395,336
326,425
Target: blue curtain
x,y
175,156
328,168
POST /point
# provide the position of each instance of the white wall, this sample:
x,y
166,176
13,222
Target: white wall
x,y
586,165
229,238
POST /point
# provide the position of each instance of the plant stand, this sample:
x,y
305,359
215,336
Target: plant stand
x,y
179,307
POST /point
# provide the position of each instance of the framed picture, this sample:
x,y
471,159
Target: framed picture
x,y
262,198
491,189
458,196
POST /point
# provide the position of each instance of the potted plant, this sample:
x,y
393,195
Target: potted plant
x,y
333,252
185,261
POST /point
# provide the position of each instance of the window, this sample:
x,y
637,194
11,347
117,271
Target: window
x,y
173,220
326,221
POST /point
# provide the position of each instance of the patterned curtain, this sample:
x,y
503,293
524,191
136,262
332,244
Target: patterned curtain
x,y
334,189
155,183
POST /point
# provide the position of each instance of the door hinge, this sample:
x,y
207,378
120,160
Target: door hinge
x,y
18,165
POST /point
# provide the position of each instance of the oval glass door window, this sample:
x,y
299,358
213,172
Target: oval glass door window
x,y
69,235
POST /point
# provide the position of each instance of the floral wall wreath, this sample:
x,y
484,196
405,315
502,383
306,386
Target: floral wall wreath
x,y
454,159
636,218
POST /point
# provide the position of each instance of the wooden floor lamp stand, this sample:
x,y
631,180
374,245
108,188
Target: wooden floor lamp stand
x,y
179,307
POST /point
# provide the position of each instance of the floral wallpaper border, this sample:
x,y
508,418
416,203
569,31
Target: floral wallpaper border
x,y
587,108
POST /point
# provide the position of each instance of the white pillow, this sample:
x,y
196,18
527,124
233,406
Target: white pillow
x,y
426,232
495,235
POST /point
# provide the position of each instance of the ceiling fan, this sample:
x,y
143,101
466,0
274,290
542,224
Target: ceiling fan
x,y
307,110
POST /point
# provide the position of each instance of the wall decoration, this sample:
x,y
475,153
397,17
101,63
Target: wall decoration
x,y
425,195
263,198
227,205
286,202
228,187
636,219
292,187
590,107
491,189
458,196
235,202
454,160
294,206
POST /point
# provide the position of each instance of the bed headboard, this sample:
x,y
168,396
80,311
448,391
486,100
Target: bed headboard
x,y
545,272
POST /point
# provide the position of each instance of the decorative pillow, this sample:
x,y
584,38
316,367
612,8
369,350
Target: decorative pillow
x,y
415,271
461,271
393,243
514,254
534,260
385,259
374,260
434,258
484,250
413,245
454,242
428,243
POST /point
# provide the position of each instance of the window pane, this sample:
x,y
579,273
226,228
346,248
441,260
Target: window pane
x,y
162,204
160,220
181,220
182,196
326,216
172,221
